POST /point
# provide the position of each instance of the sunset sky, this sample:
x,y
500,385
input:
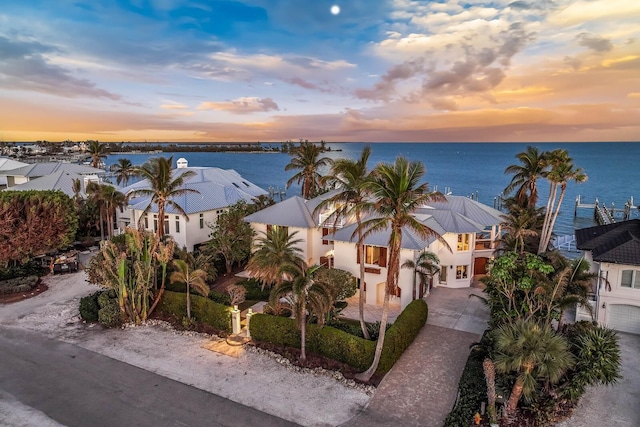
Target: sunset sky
x,y
274,70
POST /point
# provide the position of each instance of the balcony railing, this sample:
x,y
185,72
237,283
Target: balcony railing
x,y
329,220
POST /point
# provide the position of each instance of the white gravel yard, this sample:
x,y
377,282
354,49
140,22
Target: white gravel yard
x,y
312,398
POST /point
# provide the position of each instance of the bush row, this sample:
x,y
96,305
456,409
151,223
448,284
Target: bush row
x,y
340,345
204,310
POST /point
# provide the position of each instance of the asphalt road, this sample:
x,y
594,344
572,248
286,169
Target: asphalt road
x,y
77,387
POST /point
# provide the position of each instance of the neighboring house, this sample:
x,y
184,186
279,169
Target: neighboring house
x,y
218,189
614,253
7,164
30,172
59,180
471,230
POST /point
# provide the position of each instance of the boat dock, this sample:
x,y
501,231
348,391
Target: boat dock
x,y
606,215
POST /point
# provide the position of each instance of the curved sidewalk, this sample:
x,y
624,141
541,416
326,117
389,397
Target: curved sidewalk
x,y
421,388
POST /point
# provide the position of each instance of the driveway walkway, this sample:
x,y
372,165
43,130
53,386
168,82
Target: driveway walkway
x,y
421,388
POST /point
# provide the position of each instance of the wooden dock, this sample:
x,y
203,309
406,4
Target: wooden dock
x,y
606,215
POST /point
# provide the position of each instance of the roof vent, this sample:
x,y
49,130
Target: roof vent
x,y
182,163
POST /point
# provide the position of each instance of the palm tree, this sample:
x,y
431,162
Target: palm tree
x,y
163,186
123,170
275,248
94,191
108,200
533,352
348,177
519,227
303,293
306,159
98,151
562,171
76,187
425,266
396,194
195,279
525,176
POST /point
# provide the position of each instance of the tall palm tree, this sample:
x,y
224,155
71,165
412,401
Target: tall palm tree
x,y
195,279
112,199
275,248
124,171
525,176
95,193
396,194
306,159
98,151
425,266
304,294
533,352
348,177
164,185
562,171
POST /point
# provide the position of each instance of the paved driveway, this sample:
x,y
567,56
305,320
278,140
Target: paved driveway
x,y
616,406
421,388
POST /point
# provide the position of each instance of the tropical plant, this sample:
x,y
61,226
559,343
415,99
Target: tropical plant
x,y
124,171
195,279
98,151
425,267
348,178
520,226
129,271
164,185
274,248
534,353
304,294
231,235
306,159
562,171
598,360
108,199
396,194
525,176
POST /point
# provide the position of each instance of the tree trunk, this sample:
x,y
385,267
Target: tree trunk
x,y
555,216
188,303
101,225
363,325
366,375
161,222
415,282
303,331
547,217
516,393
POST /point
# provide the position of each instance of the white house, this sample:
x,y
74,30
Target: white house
x,y
217,190
30,172
469,228
7,164
614,253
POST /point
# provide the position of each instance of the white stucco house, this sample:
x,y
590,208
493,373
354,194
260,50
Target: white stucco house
x,y
29,172
470,229
217,190
614,253
7,164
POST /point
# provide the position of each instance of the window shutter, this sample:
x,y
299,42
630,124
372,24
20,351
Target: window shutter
x,y
383,257
268,228
357,254
325,231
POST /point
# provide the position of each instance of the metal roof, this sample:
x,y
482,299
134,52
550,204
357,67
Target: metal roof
x,y
8,164
292,212
216,189
47,168
60,180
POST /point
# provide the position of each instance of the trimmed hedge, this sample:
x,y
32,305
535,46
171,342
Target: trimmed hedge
x,y
216,315
472,391
342,346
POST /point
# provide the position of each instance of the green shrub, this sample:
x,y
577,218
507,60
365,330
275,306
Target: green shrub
x,y
216,315
255,291
340,345
472,390
89,307
109,313
220,298
402,333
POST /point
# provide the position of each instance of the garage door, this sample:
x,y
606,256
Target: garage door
x,y
624,318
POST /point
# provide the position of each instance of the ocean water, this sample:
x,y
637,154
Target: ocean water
x,y
613,170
